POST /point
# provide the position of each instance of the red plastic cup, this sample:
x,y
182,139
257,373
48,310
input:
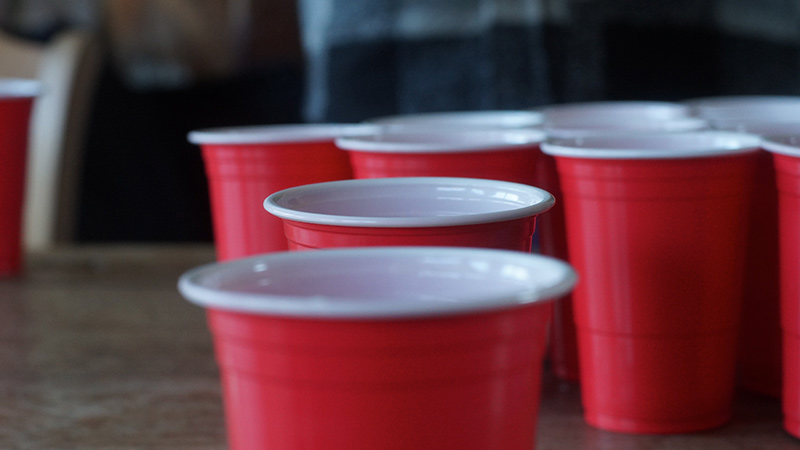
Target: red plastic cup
x,y
503,119
377,348
760,341
16,102
244,165
656,226
507,155
573,120
786,153
435,211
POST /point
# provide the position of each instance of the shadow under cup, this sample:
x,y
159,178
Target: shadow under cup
x,y
401,347
656,225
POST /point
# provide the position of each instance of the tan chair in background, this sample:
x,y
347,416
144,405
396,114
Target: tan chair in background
x,y
68,67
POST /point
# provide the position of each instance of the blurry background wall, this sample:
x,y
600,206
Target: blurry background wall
x,y
177,65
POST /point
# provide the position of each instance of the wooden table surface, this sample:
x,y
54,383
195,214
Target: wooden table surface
x,y
99,351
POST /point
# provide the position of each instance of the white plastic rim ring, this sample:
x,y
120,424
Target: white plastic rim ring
x,y
378,282
581,128
760,127
426,140
19,88
744,106
471,119
258,134
409,202
615,110
654,146
786,144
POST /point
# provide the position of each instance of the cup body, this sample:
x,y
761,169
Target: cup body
x,y
17,98
653,231
245,165
786,154
430,211
572,120
380,348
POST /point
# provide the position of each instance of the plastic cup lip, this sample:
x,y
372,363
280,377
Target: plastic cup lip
x,y
427,140
615,110
654,146
501,119
757,107
575,128
362,283
783,144
266,134
479,201
762,127
19,88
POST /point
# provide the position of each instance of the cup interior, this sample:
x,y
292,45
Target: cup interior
x,y
413,201
378,282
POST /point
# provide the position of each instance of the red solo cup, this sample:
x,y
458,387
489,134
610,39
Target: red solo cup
x,y
760,107
507,155
786,153
620,111
416,211
245,165
384,347
590,119
16,102
654,226
760,341
464,119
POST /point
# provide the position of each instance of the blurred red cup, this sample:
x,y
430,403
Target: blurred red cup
x,y
246,164
374,348
786,153
760,341
17,97
656,226
437,211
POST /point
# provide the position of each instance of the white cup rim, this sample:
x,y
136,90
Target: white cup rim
x,y
743,106
474,119
584,127
654,146
491,200
440,281
258,134
653,109
20,88
426,140
782,144
762,127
